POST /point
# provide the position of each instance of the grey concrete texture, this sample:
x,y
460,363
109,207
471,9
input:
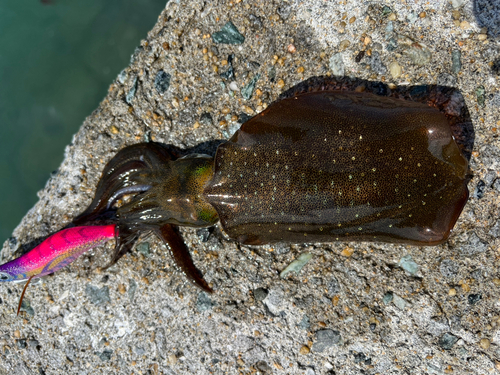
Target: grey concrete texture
x,y
354,308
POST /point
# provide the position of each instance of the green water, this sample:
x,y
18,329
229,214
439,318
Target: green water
x,y
56,63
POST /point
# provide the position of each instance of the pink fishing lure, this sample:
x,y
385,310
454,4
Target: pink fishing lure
x,y
56,252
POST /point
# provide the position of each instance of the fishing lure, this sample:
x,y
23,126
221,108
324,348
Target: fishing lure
x,y
332,159
56,252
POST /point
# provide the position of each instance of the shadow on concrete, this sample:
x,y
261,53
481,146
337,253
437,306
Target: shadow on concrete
x,y
487,13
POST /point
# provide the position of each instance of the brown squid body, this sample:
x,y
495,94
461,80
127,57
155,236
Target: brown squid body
x,y
324,163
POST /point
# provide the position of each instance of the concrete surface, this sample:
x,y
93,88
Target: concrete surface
x,y
355,308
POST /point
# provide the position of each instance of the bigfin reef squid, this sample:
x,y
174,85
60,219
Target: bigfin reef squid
x,y
333,159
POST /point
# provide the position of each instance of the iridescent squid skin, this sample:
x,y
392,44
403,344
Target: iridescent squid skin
x,y
332,159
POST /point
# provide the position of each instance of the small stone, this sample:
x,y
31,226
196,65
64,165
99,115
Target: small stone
x,y
448,268
143,248
482,37
248,110
386,11
255,21
203,302
347,252
33,343
480,91
395,69
324,339
233,86
447,341
474,298
229,73
26,306
121,289
456,63
304,350
280,83
480,187
392,17
337,65
419,54
464,25
399,302
474,246
243,117
140,351
446,79
359,357
98,296
297,264
113,129
206,119
122,77
359,56
17,333
105,355
275,302
392,44
131,93
21,344
260,294
247,91
494,101
455,14
264,367
205,233
452,292
408,264
376,63
389,28
344,44
172,359
305,323
388,297
489,178
132,287
412,17
484,343
13,243
333,287
284,11
457,3
162,82
229,34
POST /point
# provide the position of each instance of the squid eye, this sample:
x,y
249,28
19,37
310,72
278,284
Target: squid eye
x,y
5,276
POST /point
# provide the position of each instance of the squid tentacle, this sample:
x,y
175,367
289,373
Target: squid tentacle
x,y
180,253
128,168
